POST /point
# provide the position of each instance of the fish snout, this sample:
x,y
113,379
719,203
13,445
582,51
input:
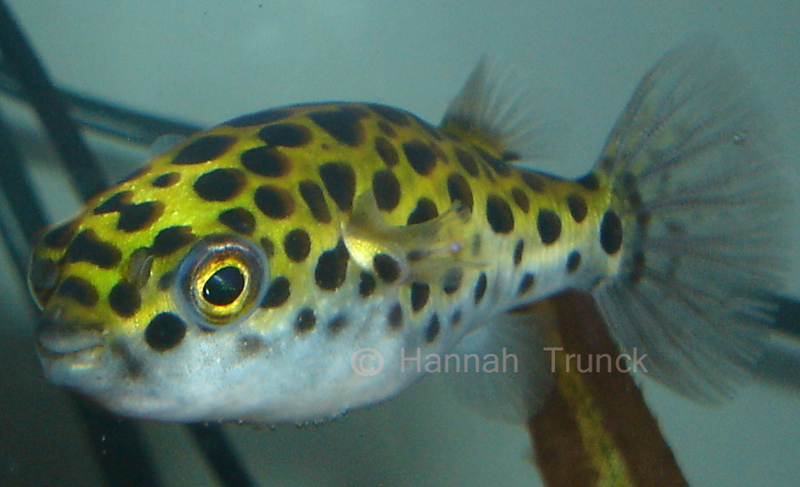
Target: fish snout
x,y
58,334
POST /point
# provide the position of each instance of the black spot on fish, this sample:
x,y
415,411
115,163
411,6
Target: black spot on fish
x,y
166,180
589,181
43,276
306,320
433,329
220,184
577,207
518,251
424,211
331,268
480,288
87,247
611,232
395,317
455,318
420,156
391,114
459,190
268,246
499,214
527,282
357,110
315,200
124,299
337,323
266,161
285,135
274,202
277,293
521,199
60,236
487,171
386,151
477,244
297,245
340,182
386,189
171,239
573,261
204,149
386,267
259,118
239,220
342,125
133,218
468,163
366,285
164,332
452,280
420,292
79,290
115,203
415,255
533,180
549,225
386,129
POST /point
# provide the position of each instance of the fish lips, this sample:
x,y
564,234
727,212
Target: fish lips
x,y
67,345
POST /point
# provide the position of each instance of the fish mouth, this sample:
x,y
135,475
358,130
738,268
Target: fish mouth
x,y
80,355
60,338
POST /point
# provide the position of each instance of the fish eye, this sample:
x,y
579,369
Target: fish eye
x,y
221,280
224,286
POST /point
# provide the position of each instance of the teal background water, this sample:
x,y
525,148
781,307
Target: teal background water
x,y
206,61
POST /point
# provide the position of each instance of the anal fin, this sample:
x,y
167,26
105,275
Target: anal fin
x,y
515,387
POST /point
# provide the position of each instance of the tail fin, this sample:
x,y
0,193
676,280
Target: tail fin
x,y
706,231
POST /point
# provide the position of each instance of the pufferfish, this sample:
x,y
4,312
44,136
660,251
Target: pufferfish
x,y
245,273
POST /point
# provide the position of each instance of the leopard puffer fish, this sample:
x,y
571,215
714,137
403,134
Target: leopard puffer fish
x,y
239,275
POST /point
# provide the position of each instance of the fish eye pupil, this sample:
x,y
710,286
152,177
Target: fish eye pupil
x,y
224,286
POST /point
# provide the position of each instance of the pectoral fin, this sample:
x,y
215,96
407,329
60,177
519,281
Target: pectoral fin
x,y
423,252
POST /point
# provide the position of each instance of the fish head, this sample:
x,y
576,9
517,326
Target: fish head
x,y
196,291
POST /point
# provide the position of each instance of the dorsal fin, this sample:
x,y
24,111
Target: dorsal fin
x,y
495,114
